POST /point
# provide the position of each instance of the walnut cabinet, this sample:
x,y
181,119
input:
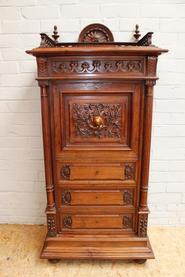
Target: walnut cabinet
x,y
96,102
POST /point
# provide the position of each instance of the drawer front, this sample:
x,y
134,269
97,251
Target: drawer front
x,y
123,222
96,172
123,197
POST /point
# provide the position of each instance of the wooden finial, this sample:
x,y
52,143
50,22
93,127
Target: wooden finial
x,y
55,34
137,33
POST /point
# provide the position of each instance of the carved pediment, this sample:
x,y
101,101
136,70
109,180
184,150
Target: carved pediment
x,y
96,33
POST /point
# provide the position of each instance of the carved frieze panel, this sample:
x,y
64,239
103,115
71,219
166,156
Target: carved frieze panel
x,y
98,66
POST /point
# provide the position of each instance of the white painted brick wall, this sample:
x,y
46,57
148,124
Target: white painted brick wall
x,y
22,190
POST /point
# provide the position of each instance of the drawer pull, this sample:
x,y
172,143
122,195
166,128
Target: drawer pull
x,y
66,197
67,221
65,172
129,171
127,222
127,197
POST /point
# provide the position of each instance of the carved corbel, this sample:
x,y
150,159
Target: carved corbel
x,y
149,87
42,65
151,65
43,84
150,82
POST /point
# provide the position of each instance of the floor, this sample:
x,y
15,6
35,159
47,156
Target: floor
x,y
20,246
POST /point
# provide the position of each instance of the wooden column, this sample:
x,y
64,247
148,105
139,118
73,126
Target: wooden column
x,y
46,130
148,107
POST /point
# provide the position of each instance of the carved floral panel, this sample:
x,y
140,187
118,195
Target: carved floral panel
x,y
97,120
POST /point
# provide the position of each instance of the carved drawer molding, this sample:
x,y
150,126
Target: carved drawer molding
x,y
128,197
127,221
65,172
66,197
129,171
67,221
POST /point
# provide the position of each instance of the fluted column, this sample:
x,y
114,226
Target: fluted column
x,y
147,126
46,129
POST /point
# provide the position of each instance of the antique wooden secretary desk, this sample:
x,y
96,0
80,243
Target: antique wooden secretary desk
x,y
96,99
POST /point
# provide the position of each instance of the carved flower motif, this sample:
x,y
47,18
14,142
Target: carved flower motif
x,y
95,36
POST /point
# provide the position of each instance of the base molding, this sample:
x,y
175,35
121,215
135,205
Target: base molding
x,y
97,247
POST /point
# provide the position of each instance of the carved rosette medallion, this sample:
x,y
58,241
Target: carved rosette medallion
x,y
129,171
95,36
51,225
127,221
66,197
127,197
96,33
143,221
65,172
67,221
97,120
103,66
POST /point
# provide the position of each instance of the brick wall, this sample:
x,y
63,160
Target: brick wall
x,y
22,193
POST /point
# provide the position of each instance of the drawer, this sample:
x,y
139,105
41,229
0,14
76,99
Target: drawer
x,y
96,172
75,197
70,221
